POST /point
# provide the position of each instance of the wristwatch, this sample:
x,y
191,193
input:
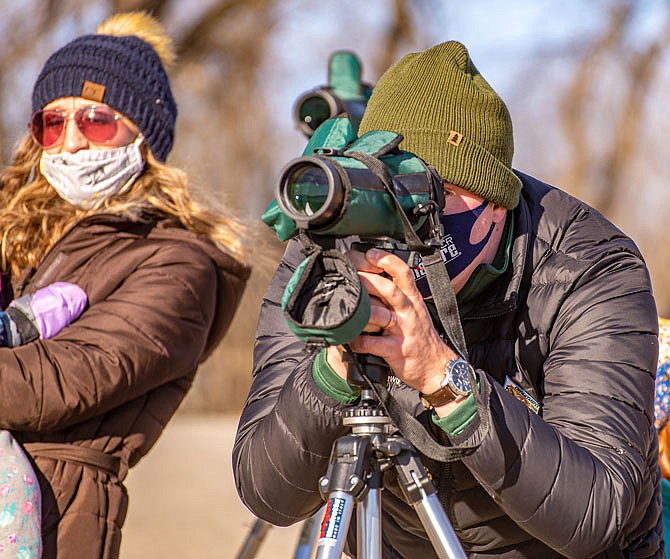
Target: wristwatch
x,y
456,383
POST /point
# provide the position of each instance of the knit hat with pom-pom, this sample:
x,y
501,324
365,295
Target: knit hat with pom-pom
x,y
124,72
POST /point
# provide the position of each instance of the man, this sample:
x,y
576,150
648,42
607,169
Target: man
x,y
560,322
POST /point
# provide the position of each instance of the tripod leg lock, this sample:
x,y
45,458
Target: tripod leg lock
x,y
347,467
412,477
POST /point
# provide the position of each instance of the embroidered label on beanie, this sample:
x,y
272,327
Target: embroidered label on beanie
x,y
93,91
454,138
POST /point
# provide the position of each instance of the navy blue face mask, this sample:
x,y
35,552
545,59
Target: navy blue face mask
x,y
457,251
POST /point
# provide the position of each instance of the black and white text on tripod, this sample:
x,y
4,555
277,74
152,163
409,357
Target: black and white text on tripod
x,y
332,518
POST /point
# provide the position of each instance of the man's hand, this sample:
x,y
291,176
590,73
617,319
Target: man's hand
x,y
409,342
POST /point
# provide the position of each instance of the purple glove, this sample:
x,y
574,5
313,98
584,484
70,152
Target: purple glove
x,y
44,313
55,306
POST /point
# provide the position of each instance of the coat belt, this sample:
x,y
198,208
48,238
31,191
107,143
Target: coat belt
x,y
78,455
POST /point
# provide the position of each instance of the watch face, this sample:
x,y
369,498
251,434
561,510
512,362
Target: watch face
x,y
460,380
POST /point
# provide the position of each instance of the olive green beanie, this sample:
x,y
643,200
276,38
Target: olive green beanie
x,y
450,117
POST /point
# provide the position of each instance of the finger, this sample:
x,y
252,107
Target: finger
x,y
380,346
395,267
386,290
361,263
380,316
392,321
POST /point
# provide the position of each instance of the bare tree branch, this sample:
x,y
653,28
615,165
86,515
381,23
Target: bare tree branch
x,y
576,101
227,136
642,70
156,7
199,37
398,32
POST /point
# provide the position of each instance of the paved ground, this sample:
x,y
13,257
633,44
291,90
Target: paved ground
x,y
183,503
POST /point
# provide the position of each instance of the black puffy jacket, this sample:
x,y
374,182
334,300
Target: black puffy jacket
x,y
572,321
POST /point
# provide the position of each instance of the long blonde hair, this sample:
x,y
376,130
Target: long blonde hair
x,y
33,216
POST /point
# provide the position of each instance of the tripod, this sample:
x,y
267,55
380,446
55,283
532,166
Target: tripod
x,y
354,478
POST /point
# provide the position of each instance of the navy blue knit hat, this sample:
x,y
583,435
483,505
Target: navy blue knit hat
x,y
124,72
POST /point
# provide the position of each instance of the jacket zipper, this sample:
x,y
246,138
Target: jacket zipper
x,y
501,312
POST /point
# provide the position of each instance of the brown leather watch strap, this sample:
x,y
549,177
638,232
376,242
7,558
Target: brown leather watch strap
x,y
441,396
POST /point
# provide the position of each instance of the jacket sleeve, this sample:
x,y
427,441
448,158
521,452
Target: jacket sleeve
x,y
150,329
573,477
288,425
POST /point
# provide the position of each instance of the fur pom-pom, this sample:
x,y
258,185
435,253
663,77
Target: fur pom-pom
x,y
144,26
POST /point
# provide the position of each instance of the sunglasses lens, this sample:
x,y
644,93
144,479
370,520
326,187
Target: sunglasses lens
x,y
47,127
98,124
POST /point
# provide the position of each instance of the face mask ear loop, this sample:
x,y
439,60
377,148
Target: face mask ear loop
x,y
137,145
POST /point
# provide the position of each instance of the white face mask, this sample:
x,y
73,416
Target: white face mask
x,y
88,176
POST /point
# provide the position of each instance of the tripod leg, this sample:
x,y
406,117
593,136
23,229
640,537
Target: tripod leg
x,y
421,494
250,547
335,525
308,536
439,529
370,525
343,483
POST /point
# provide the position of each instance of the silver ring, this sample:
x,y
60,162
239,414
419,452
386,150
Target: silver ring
x,y
393,319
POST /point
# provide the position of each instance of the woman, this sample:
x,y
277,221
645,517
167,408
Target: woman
x,y
89,200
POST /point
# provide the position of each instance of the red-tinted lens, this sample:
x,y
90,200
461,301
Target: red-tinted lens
x,y
98,124
47,127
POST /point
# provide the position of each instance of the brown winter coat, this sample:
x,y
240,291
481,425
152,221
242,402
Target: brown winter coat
x,y
160,299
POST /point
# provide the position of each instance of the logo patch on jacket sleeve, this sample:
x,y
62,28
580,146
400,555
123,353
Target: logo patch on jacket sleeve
x,y
520,394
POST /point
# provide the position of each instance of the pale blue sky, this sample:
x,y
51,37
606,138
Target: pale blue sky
x,y
502,37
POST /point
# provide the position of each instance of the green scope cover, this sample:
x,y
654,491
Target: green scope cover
x,y
370,212
325,302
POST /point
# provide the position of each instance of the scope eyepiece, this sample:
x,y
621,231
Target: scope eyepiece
x,y
310,192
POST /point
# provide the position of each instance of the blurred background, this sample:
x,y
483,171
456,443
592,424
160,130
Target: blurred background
x,y
586,83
